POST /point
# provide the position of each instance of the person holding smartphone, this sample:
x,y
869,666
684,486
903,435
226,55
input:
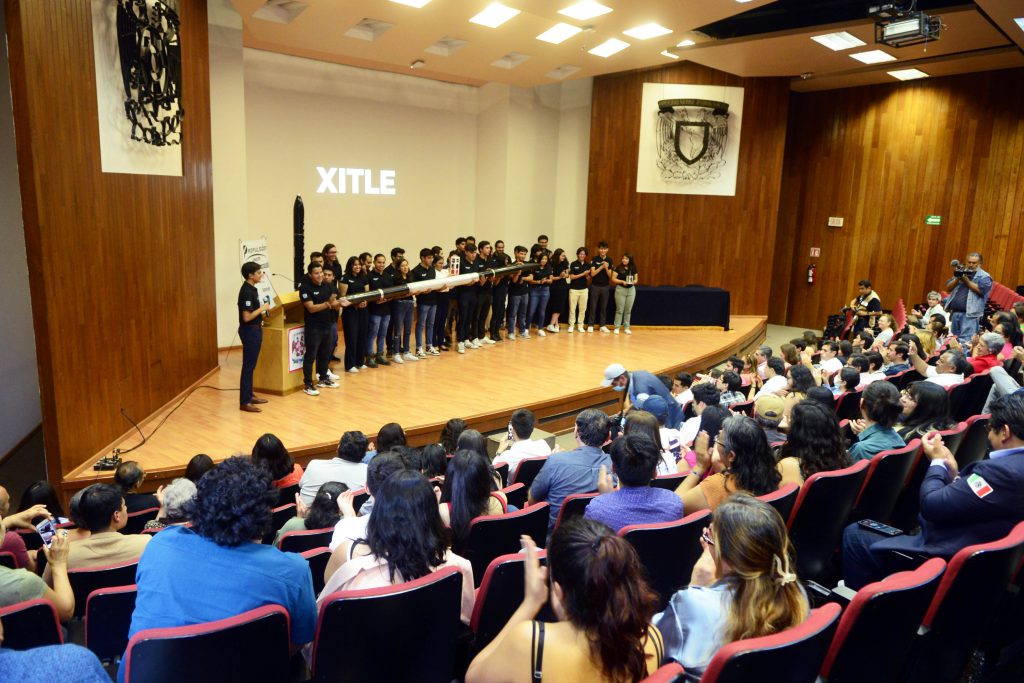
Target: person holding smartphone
x,y
624,278
600,284
20,585
517,444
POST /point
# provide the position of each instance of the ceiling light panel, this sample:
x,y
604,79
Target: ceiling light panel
x,y
908,74
609,47
651,30
685,43
587,9
666,53
446,47
412,3
1020,22
873,57
558,33
494,15
838,41
368,29
279,11
562,72
510,61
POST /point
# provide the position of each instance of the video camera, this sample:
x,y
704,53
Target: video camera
x,y
959,269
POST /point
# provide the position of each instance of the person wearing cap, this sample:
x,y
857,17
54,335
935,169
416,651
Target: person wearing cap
x,y
637,382
768,412
669,436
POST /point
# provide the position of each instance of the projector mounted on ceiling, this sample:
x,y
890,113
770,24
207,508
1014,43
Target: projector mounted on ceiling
x,y
907,29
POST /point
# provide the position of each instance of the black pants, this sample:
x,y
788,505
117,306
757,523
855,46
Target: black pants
x,y
318,341
356,322
441,319
483,303
498,296
467,311
252,340
598,313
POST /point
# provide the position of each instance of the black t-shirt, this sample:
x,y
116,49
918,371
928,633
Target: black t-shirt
x,y
248,300
477,266
626,274
316,295
602,278
559,270
421,274
338,269
334,312
575,268
539,275
379,281
355,284
518,288
499,261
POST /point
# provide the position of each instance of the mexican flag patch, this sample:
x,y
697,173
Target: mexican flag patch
x,y
978,484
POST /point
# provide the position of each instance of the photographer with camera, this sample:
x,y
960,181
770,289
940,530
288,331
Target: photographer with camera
x,y
866,307
969,290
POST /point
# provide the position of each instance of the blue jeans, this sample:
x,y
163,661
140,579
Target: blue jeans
x,y
539,296
401,319
962,327
378,331
252,340
863,561
517,305
425,324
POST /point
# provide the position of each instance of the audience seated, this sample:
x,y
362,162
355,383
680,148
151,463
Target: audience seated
x,y
743,586
948,371
603,604
39,496
768,414
775,381
897,359
830,362
574,471
389,437
472,440
323,513
814,444
218,568
433,461
517,445
174,500
874,433
19,585
105,512
822,395
741,461
957,509
731,386
985,352
704,394
761,356
467,495
848,380
129,476
269,453
640,421
681,384
353,526
405,540
711,419
634,458
199,465
450,434
65,663
346,467
12,540
924,408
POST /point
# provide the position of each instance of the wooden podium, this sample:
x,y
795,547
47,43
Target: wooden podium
x,y
283,328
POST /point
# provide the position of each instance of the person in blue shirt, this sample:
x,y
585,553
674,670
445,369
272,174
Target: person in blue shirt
x,y
574,471
218,568
640,383
880,406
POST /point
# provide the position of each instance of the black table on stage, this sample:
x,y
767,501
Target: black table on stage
x,y
690,306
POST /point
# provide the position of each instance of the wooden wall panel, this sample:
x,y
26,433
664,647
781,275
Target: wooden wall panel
x,y
681,239
122,265
883,157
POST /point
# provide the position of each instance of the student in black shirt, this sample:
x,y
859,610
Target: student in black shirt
x,y
624,278
540,291
468,296
250,320
332,340
518,299
426,305
579,282
380,315
484,294
401,316
444,299
331,262
318,299
355,320
397,256
559,302
499,291
600,284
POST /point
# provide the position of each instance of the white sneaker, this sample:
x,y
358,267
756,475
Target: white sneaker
x,y
327,384
433,351
590,328
478,342
511,336
398,358
627,331
570,329
409,356
421,353
332,376
580,328
552,328
311,391
489,341
364,366
353,370
616,330
525,335
604,328
462,347
541,333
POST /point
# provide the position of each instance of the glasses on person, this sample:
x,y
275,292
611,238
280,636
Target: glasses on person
x,y
705,536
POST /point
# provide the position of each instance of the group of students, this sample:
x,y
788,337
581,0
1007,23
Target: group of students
x,y
379,333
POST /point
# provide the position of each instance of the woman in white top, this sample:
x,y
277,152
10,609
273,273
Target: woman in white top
x,y
886,327
934,306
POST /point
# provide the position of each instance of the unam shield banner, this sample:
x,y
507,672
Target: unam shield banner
x,y
296,348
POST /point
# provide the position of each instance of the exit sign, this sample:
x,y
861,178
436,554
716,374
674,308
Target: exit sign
x,y
933,220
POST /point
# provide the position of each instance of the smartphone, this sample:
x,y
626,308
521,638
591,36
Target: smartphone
x,y
46,529
509,431
879,527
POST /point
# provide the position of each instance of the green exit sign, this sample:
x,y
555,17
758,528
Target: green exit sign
x,y
933,220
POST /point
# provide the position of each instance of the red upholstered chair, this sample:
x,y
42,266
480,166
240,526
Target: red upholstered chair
x,y
317,558
668,551
670,673
574,506
490,537
254,646
783,500
848,406
279,516
819,516
108,617
744,407
361,496
286,494
500,594
406,632
965,606
85,581
849,324
301,541
975,444
29,624
31,538
904,515
879,625
793,656
502,471
8,560
137,520
668,481
973,401
516,494
886,477
527,470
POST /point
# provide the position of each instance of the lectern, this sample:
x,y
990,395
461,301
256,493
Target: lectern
x,y
279,370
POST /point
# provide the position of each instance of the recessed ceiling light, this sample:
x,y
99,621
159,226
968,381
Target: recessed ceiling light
x,y
494,15
651,30
609,47
559,32
873,57
412,3
1020,22
685,43
666,53
908,74
562,71
446,47
587,9
838,41
279,11
510,61
368,29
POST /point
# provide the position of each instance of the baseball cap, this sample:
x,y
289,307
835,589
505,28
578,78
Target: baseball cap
x,y
655,405
770,406
611,373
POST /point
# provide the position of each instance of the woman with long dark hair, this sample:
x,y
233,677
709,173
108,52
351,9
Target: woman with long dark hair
x,y
354,319
880,408
925,408
743,586
401,316
331,261
322,513
559,302
814,444
624,279
466,495
711,419
604,606
741,461
269,453
405,540
450,434
434,461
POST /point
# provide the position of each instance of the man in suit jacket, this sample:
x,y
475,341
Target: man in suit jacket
x,y
637,382
981,504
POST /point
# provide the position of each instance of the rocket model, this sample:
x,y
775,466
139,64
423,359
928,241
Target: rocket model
x,y
413,288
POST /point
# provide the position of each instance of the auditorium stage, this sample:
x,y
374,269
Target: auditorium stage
x,y
555,376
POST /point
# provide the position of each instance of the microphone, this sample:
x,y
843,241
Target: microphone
x,y
283,276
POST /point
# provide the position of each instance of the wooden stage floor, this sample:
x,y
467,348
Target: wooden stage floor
x,y
556,376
